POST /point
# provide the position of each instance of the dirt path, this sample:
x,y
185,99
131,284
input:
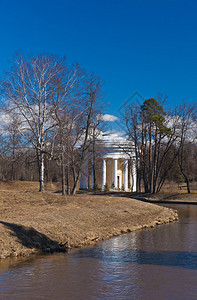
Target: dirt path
x,y
31,222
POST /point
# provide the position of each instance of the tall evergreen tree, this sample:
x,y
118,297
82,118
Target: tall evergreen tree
x,y
154,130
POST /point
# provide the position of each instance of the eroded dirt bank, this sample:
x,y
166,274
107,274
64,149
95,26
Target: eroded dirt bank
x,y
31,222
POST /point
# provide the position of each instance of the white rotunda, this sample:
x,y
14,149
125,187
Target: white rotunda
x,y
114,166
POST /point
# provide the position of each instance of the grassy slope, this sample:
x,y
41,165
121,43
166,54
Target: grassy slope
x,y
32,222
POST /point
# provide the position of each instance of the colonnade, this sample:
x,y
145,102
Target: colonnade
x,y
125,181
115,174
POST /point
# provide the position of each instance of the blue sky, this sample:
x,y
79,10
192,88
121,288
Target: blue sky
x,y
133,45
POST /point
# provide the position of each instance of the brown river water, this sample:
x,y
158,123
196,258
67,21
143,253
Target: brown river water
x,y
158,263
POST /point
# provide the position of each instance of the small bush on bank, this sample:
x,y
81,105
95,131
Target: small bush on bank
x,y
95,187
106,187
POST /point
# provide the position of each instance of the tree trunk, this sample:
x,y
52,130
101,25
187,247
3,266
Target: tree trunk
x,y
185,177
154,169
63,175
68,174
94,162
188,186
150,160
76,183
41,171
68,181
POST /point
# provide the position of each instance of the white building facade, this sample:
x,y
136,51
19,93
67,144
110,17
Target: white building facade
x,y
114,167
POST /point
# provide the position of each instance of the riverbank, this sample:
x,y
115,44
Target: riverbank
x,y
32,222
173,198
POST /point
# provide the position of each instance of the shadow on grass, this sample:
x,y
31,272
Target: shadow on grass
x,y
31,238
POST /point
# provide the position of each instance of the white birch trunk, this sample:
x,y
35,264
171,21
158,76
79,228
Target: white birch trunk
x,y
41,172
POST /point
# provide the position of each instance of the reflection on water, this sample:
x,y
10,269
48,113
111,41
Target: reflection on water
x,y
162,258
159,263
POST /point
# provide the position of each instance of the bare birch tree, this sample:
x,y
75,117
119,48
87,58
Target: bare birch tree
x,y
30,89
91,105
67,117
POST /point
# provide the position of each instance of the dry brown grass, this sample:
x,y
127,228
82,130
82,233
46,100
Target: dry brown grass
x,y
32,222
173,187
28,186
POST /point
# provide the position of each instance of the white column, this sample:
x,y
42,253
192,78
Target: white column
x,y
84,175
134,177
115,165
103,179
125,174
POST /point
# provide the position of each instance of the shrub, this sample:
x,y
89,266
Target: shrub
x,y
106,188
113,186
95,187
